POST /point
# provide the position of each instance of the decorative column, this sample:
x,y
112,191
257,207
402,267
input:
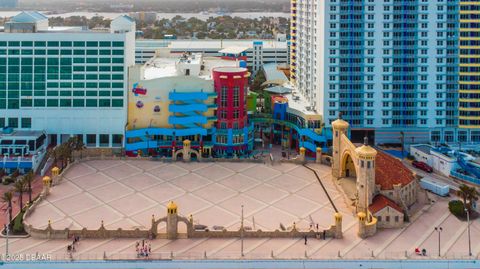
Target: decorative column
x,y
55,174
172,220
338,225
302,155
362,218
47,181
186,150
319,155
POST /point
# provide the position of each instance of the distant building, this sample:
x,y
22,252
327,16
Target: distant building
x,y
8,3
66,81
258,53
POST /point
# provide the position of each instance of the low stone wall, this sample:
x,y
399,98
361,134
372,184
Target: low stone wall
x,y
50,233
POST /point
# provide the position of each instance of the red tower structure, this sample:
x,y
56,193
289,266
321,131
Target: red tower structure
x,y
233,134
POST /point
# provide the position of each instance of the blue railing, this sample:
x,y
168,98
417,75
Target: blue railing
x,y
465,177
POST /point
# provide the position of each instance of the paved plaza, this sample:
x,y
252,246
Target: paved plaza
x,y
125,194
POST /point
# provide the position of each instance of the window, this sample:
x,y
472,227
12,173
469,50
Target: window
x,y
387,218
13,122
104,140
2,122
397,219
26,122
117,140
91,140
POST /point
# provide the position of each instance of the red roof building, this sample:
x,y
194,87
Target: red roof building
x,y
380,202
390,171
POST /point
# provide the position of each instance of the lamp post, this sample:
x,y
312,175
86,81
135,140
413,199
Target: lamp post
x,y
241,235
439,231
7,231
468,230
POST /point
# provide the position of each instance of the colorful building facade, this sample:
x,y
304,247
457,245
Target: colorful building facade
x,y
174,99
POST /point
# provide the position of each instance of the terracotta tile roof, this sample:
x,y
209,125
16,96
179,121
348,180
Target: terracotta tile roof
x,y
380,202
390,171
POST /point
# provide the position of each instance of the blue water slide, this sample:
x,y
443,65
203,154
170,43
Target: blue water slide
x,y
465,165
312,135
183,108
165,131
187,120
185,96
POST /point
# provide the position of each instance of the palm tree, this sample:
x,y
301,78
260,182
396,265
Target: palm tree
x,y
468,195
7,198
19,187
28,178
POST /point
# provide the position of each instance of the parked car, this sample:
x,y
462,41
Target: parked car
x,y
422,166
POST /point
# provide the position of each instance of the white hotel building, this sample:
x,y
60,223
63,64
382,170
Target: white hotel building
x,y
66,81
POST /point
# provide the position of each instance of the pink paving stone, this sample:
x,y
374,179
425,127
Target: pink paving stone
x,y
78,170
314,192
177,246
215,216
142,181
431,243
372,243
193,165
164,192
77,203
302,172
20,245
103,164
110,192
461,243
214,172
132,204
298,248
190,204
284,167
261,172
266,247
233,250
250,205
214,193
237,167
112,245
239,182
145,217
91,181
121,171
266,193
288,183
297,206
324,217
51,246
271,218
92,218
63,190
145,165
211,246
330,250
190,182
43,214
168,172
124,224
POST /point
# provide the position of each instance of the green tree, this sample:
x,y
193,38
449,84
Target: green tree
x,y
7,198
19,188
28,178
468,195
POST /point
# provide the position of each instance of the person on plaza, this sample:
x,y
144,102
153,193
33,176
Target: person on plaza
x,y
417,251
305,239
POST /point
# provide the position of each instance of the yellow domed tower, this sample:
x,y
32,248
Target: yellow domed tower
x,y
339,128
366,175
172,220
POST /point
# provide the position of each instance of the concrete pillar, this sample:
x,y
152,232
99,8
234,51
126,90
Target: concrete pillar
x,y
338,225
46,185
302,154
318,155
362,218
186,150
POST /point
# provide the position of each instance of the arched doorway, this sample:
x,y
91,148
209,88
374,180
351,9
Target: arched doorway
x,y
179,156
348,176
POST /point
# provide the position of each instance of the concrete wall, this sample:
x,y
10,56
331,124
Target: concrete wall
x,y
390,214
